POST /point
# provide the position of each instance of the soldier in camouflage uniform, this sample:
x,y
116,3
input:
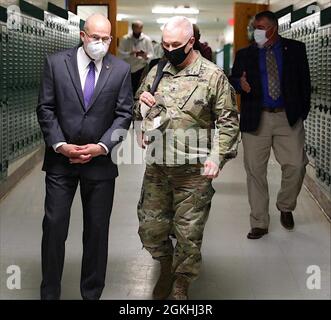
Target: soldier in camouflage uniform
x,y
195,97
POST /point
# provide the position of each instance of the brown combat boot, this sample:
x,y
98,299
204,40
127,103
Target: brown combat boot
x,y
180,289
163,285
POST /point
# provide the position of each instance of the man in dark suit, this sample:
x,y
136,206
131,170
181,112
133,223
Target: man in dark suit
x,y
85,103
272,76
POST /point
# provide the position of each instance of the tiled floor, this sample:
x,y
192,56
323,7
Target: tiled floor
x,y
274,267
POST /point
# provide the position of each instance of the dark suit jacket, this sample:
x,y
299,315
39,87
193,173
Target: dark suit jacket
x,y
295,83
62,116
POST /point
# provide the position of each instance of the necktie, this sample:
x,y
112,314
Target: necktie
x,y
89,84
273,76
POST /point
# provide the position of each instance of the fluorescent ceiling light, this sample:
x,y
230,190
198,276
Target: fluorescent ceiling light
x,y
165,20
173,10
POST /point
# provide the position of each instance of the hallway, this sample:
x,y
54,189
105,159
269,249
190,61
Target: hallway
x,y
274,267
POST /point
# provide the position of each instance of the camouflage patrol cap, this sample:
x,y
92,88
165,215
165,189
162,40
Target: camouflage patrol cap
x,y
157,118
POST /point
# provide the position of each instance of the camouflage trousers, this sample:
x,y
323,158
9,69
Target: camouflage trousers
x,y
178,200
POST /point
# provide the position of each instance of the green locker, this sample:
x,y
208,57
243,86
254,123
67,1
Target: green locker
x,y
23,47
3,102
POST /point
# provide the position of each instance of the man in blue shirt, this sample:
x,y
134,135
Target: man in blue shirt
x,y
277,52
272,76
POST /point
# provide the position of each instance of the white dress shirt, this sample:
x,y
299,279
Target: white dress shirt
x,y
82,62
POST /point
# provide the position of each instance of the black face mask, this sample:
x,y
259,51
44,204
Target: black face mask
x,y
177,56
136,34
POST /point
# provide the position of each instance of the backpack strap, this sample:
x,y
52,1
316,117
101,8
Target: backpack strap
x,y
159,75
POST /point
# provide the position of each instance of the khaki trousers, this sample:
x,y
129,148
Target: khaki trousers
x,y
288,145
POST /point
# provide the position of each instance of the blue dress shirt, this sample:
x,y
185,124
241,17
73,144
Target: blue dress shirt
x,y
267,100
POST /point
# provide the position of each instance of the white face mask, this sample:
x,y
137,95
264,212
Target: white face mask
x,y
97,49
260,37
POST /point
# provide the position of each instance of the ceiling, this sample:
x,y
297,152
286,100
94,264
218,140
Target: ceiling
x,y
214,14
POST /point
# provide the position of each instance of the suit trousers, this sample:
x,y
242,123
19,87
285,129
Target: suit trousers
x,y
97,201
288,146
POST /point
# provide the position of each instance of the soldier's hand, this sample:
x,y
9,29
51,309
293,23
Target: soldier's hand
x,y
211,169
147,98
244,84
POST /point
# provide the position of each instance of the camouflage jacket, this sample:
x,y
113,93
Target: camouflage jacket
x,y
203,113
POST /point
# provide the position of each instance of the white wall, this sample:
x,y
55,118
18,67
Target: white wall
x,y
212,36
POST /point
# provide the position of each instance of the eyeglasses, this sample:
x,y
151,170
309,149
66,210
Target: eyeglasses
x,y
105,40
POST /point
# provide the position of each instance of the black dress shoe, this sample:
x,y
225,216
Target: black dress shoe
x,y
286,219
257,233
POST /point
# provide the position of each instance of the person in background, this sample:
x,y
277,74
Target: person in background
x,y
137,50
158,54
203,48
272,76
